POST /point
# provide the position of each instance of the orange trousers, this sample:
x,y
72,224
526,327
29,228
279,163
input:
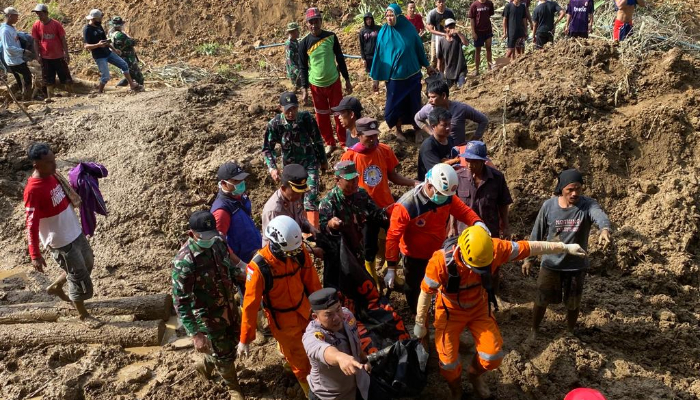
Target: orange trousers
x,y
289,339
449,324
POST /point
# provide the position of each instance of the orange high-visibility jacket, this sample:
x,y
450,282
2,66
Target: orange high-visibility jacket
x,y
418,226
292,283
471,291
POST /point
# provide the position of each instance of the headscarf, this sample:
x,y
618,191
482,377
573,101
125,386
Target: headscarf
x,y
399,53
566,178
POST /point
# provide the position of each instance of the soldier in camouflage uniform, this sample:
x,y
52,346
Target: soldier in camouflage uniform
x,y
125,44
203,293
348,209
291,50
298,135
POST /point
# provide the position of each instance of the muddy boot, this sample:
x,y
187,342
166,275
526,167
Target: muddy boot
x,y
204,368
455,389
27,94
478,383
227,370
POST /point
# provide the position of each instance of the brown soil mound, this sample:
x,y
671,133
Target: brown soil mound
x,y
633,131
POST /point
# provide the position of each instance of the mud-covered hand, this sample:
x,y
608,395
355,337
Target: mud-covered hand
x,y
201,343
275,174
390,277
575,249
419,331
39,264
604,238
242,350
527,267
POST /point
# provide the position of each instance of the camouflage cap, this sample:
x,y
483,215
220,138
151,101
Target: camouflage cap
x,y
346,170
292,26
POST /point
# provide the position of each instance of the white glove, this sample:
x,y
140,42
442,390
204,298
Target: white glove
x,y
483,225
575,250
389,278
419,331
241,265
242,350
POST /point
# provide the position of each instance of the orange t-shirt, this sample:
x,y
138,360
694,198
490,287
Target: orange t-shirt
x,y
374,168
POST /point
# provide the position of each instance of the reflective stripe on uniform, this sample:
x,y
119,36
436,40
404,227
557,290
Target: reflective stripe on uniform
x,y
454,300
514,252
431,283
451,366
322,112
490,357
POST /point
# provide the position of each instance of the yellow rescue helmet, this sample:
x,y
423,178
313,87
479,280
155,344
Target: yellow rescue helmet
x,y
476,247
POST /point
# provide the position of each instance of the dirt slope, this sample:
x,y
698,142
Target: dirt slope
x,y
632,128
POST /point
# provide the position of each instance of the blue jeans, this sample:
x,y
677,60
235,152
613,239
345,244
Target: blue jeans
x,y
102,65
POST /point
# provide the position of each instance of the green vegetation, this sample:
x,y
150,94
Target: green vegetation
x,y
209,49
227,71
55,12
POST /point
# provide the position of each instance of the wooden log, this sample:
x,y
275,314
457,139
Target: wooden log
x,y
125,334
148,307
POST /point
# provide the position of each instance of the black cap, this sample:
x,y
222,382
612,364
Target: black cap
x,y
231,170
203,223
367,126
323,299
288,100
349,103
295,176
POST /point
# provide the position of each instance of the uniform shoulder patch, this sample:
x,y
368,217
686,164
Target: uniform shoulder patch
x,y
320,336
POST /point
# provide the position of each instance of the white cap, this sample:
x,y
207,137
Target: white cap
x,y
10,11
41,8
449,21
94,13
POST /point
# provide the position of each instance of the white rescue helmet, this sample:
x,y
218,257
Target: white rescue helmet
x,y
443,178
284,232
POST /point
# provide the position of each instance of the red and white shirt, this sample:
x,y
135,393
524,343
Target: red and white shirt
x,y
50,217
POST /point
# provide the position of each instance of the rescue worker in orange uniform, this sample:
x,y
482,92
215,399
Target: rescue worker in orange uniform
x,y
281,274
418,227
460,275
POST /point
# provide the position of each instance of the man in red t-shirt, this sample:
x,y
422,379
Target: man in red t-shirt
x,y
415,18
51,48
376,164
480,14
52,223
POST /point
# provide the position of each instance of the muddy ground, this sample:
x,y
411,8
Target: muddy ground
x,y
630,124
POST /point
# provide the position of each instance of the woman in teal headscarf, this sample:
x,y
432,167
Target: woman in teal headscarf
x,y
398,59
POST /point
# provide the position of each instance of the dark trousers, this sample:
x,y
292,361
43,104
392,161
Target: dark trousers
x,y
22,70
371,234
414,271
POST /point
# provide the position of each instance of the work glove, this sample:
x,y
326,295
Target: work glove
x,y
483,225
419,331
389,278
575,250
242,350
241,266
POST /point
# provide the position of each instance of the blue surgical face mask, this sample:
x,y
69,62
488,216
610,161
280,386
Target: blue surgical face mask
x,y
438,198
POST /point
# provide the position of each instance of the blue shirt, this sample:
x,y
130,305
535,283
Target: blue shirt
x,y
12,50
